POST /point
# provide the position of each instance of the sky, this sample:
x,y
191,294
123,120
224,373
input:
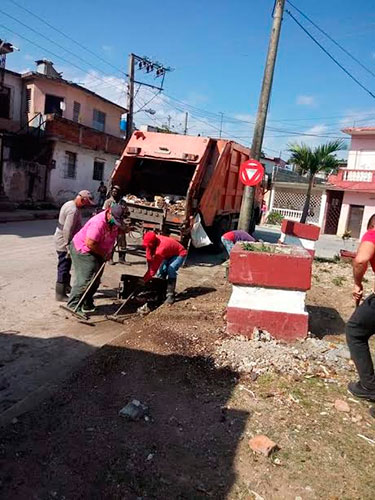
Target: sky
x,y
217,50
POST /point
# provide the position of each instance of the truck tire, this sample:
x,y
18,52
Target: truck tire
x,y
220,226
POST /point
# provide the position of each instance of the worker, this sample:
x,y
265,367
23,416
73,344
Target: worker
x,y
69,223
117,197
230,238
102,190
164,255
89,249
361,325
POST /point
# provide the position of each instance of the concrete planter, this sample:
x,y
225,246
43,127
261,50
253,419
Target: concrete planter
x,y
269,290
303,235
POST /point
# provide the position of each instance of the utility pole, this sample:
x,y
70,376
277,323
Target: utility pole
x,y
169,118
129,120
246,213
186,123
221,124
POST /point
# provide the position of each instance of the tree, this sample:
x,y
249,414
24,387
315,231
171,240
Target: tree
x,y
313,160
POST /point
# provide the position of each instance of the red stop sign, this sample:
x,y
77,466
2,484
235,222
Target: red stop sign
x,y
251,172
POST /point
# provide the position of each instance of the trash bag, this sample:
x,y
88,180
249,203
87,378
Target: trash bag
x,y
198,235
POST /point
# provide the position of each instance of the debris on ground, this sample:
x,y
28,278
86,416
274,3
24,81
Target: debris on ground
x,y
264,354
341,405
372,411
135,410
143,310
263,445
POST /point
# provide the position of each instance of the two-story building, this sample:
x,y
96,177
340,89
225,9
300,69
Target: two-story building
x,y
351,193
64,137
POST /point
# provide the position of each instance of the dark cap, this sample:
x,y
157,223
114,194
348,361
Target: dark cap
x,y
118,212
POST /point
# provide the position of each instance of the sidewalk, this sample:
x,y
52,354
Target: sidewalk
x,y
28,215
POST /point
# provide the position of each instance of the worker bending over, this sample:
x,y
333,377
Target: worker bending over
x,y
90,248
69,223
230,238
165,256
361,326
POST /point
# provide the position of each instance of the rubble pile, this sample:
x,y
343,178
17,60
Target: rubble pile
x,y
174,205
264,354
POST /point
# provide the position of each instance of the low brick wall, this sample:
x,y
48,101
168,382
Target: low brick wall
x,y
269,291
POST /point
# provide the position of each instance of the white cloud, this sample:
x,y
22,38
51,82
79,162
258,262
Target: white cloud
x,y
305,100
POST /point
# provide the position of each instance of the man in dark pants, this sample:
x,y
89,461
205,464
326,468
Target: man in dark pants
x,y
89,249
361,325
116,197
69,223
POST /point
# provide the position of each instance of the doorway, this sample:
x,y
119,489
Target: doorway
x,y
355,220
334,202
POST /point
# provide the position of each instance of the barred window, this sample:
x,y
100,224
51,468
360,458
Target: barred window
x,y
76,111
98,120
98,173
70,170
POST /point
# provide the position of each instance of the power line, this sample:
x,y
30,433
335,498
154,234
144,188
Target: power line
x,y
55,43
59,57
332,39
329,55
97,56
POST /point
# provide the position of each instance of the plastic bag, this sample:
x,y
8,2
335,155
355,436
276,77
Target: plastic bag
x,y
198,235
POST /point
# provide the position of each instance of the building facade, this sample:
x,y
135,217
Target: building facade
x,y
61,137
351,192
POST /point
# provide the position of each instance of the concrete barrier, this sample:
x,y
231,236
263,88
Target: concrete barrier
x,y
269,290
303,235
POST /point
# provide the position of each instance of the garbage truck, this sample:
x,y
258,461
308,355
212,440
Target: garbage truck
x,y
168,179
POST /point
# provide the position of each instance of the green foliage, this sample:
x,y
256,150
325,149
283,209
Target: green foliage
x,y
339,280
251,247
275,218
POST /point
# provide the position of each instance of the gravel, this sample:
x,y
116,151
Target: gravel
x,y
264,354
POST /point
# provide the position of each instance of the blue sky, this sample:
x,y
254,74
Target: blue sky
x,y
217,50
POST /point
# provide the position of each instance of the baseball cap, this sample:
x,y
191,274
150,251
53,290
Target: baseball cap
x,y
118,213
87,196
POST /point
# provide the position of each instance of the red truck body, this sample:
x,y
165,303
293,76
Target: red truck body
x,y
201,170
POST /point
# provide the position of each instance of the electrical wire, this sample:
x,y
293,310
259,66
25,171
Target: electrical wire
x,y
330,55
332,39
96,55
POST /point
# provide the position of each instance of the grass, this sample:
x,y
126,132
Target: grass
x,y
251,247
339,280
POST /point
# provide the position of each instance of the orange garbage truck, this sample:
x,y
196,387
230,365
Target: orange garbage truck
x,y
168,179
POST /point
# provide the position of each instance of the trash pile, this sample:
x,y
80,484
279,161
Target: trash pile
x,y
174,204
264,354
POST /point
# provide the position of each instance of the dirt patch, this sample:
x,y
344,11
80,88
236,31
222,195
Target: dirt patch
x,y
202,415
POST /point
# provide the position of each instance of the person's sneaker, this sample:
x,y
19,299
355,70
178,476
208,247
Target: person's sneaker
x,y
357,389
88,308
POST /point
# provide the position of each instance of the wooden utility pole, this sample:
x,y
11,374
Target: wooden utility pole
x,y
246,213
186,123
130,100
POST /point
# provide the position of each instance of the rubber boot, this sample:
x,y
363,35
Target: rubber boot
x,y
121,257
68,288
171,289
61,292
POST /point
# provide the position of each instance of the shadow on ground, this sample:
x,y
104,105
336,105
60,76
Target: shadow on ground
x,y
325,321
75,445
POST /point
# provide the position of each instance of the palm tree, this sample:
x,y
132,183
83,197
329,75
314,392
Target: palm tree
x,y
313,160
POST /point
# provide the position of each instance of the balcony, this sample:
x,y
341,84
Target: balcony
x,y
353,179
62,129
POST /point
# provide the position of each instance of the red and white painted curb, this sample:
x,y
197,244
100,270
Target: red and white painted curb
x,y
269,291
302,235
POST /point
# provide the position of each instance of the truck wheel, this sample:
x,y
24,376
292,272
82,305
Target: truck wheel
x,y
219,227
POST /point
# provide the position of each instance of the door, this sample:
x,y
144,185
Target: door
x,y
355,220
334,202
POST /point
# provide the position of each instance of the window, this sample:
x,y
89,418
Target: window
x,y
5,103
76,111
53,104
70,171
98,170
28,100
98,120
